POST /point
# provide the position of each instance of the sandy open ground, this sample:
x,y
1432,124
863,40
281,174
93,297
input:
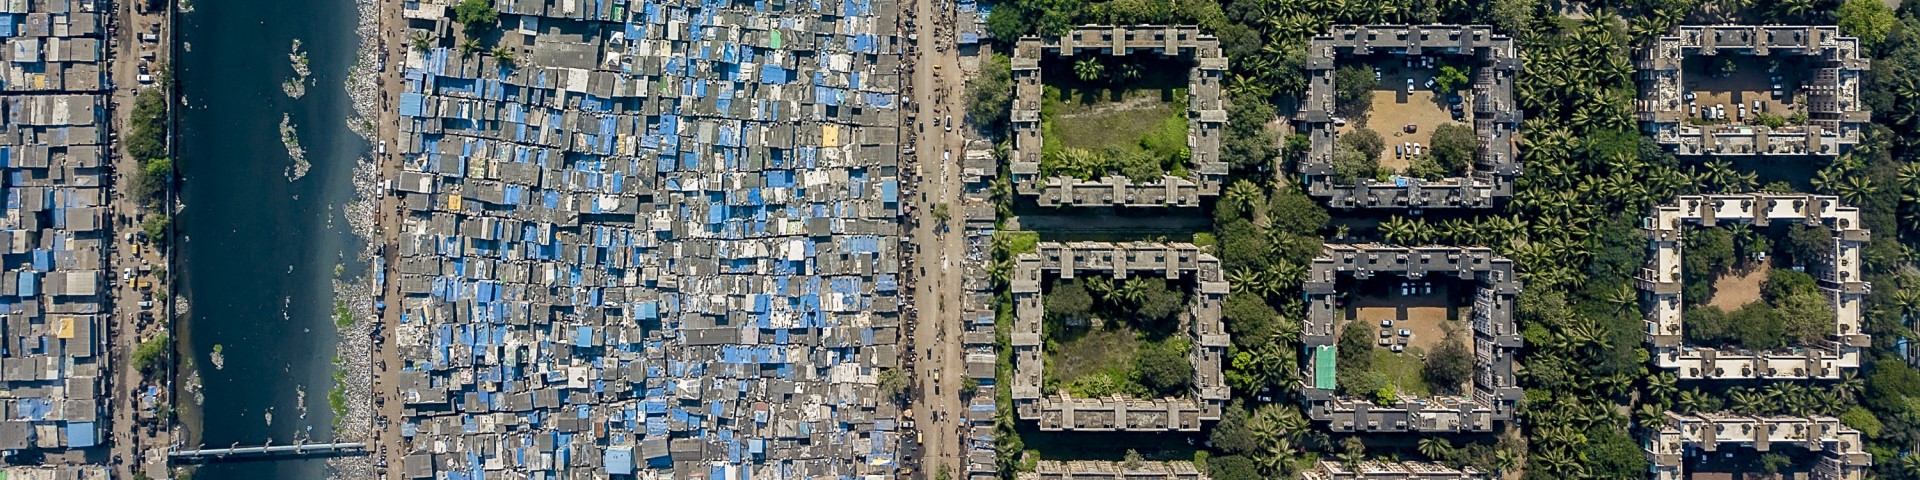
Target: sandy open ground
x,y
1394,108
1740,287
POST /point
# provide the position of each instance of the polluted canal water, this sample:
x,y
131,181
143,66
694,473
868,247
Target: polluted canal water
x,y
267,164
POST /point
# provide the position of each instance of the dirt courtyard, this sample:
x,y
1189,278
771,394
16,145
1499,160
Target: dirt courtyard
x,y
1426,315
1394,108
1749,82
1740,287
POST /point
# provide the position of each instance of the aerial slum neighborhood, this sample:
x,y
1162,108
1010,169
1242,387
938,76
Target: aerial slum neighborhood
x,y
1495,340
1698,83
1838,275
665,237
1494,115
53,237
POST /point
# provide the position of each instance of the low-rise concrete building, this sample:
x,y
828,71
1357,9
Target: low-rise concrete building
x,y
1206,117
1844,455
1495,116
1095,470
1496,341
1377,470
1838,275
1121,260
1835,113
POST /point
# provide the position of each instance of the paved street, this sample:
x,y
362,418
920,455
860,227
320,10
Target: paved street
x,y
134,446
941,370
388,446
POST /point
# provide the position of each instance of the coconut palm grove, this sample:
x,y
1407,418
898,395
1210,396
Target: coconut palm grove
x,y
1784,133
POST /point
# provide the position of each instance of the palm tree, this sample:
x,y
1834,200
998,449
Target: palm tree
x,y
504,55
1855,189
1352,452
1435,448
421,40
1909,177
1650,416
1099,287
1504,459
469,46
1850,385
1623,298
1133,290
1746,402
1662,386
1089,68
1561,461
1242,196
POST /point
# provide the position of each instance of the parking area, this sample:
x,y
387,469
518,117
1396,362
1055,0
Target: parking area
x,y
1406,109
1732,88
1412,314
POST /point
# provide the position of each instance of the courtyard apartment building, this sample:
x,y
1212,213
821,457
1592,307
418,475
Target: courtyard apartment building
x,y
1838,275
1495,341
1206,116
1703,90
1688,439
1495,116
1209,393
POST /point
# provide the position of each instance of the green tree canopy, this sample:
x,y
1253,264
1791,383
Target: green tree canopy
x,y
1296,213
1449,367
1454,146
1353,90
990,94
1245,144
1164,367
149,121
1870,20
1450,79
1808,242
151,355
1249,318
1233,467
1068,299
475,14
1160,300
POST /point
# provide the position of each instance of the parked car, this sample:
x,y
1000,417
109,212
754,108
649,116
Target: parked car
x,y
1409,85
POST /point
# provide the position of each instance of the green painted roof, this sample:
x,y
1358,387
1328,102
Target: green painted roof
x,y
1323,367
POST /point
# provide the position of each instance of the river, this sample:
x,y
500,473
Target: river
x,y
258,251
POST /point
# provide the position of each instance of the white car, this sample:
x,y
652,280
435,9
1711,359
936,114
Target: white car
x,y
1409,85
1406,333
1386,323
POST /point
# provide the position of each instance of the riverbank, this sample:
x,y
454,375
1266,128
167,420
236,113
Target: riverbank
x,y
353,405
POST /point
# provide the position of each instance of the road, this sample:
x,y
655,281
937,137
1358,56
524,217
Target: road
x,y
938,264
133,446
388,446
